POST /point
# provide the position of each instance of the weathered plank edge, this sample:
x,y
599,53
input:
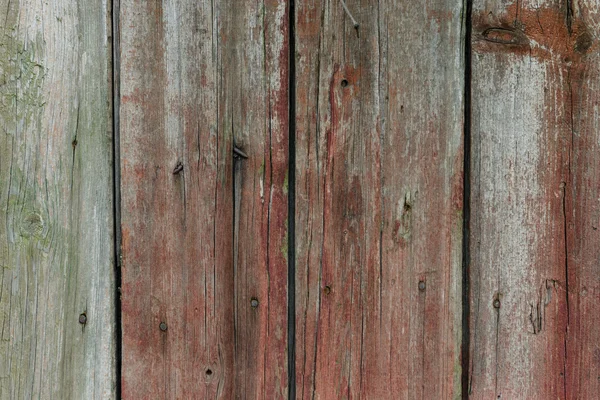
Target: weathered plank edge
x,y
292,203
466,242
116,102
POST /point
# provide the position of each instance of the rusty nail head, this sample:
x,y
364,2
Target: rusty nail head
x,y
497,303
254,302
163,326
238,153
82,318
178,168
421,285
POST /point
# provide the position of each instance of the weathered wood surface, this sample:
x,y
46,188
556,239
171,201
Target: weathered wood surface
x,y
379,199
535,190
197,79
56,244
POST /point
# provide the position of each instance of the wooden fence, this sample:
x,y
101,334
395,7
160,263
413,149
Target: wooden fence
x,y
312,199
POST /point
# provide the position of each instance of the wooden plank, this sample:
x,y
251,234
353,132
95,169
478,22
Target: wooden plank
x,y
379,199
535,275
56,244
197,79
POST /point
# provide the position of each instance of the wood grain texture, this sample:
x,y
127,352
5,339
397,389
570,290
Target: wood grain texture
x,y
535,275
56,244
204,234
379,199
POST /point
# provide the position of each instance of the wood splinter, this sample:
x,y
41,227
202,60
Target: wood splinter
x,y
349,14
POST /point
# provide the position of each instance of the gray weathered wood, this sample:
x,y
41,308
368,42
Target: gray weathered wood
x,y
56,245
535,190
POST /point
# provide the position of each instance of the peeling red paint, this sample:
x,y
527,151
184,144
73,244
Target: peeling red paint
x,y
190,259
371,152
539,315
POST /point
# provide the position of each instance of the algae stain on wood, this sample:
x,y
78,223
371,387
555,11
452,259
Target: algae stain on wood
x,y
21,80
21,73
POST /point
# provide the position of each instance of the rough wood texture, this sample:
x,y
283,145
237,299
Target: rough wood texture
x,y
204,234
56,245
379,199
535,209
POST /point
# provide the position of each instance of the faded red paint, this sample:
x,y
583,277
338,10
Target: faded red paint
x,y
552,329
543,33
190,260
364,329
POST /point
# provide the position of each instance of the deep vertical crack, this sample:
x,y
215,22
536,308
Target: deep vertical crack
x,y
566,227
292,205
465,343
569,15
115,34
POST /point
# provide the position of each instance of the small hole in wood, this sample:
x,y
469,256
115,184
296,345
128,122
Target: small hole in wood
x,y
209,372
327,289
344,82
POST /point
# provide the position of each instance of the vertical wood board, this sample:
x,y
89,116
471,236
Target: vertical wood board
x,y
534,270
379,199
56,234
204,232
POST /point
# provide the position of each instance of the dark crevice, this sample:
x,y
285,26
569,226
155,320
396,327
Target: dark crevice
x,y
566,248
565,229
117,192
465,345
74,145
292,206
496,363
569,16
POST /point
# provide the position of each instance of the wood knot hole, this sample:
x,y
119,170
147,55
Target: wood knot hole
x,y
504,36
32,225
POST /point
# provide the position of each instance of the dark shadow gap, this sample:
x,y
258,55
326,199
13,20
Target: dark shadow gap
x,y
116,192
466,309
292,205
